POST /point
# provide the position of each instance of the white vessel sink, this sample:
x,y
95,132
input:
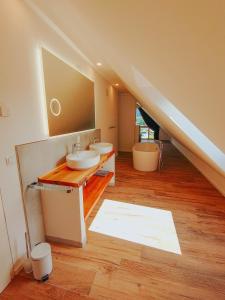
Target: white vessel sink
x,y
102,148
81,160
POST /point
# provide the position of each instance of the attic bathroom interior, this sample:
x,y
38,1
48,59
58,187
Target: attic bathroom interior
x,y
112,156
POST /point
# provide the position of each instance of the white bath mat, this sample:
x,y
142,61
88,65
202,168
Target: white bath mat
x,y
135,223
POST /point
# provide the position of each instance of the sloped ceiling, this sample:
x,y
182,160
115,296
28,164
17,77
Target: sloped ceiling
x,y
169,54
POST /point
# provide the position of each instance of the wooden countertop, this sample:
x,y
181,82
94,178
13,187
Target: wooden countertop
x,y
62,175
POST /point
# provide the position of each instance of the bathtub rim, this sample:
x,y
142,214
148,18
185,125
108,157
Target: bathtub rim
x,y
147,144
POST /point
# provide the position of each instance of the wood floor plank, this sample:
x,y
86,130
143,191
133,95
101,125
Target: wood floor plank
x,y
90,258
71,277
24,288
176,281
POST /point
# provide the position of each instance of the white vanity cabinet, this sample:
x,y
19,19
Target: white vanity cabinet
x,y
70,197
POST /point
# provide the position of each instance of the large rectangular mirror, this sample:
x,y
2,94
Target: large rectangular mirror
x,y
69,97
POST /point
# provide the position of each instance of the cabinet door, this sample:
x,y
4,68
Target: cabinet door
x,y
5,255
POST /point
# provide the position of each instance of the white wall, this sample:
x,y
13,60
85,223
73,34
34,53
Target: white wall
x,y
22,34
163,135
127,120
5,256
170,56
176,45
107,111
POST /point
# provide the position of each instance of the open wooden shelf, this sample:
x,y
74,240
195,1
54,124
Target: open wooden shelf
x,y
93,191
93,185
62,175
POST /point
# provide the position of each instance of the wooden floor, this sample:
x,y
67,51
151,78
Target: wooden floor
x,y
109,268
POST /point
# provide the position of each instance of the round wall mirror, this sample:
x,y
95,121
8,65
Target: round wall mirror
x,y
55,107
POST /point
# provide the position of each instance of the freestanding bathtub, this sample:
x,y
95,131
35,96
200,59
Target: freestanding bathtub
x,y
146,156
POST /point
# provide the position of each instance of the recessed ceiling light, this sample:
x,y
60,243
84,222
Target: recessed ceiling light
x,y
116,84
99,64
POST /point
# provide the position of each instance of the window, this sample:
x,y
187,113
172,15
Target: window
x,y
145,133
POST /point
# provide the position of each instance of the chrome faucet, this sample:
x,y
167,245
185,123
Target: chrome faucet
x,y
77,145
74,147
93,140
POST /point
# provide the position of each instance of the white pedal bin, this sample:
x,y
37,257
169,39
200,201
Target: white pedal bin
x,y
41,261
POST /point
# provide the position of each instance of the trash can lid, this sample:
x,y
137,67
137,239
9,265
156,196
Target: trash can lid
x,y
40,251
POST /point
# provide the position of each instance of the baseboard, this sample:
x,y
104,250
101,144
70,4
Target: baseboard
x,y
64,241
216,179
